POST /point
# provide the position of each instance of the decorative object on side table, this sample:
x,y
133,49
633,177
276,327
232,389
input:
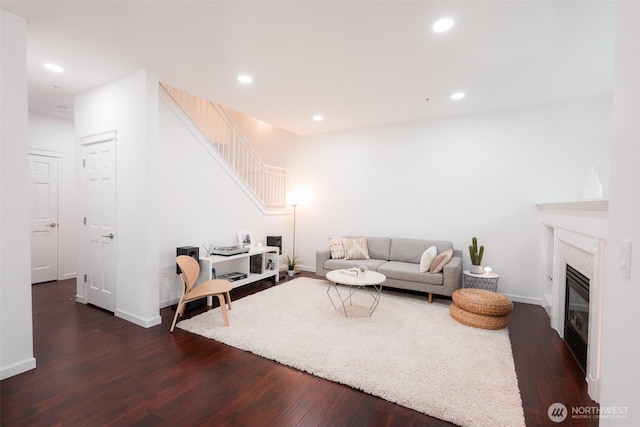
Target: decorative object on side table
x,y
245,238
476,256
593,187
208,250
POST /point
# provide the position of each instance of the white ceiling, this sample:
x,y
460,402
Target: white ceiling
x,y
359,64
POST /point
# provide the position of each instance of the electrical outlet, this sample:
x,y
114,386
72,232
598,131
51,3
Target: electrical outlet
x,y
164,271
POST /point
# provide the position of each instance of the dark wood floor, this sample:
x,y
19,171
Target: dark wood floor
x,y
95,369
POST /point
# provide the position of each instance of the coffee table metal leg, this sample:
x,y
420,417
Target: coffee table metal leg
x,y
335,286
375,295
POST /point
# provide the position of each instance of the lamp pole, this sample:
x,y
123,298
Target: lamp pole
x,y
294,231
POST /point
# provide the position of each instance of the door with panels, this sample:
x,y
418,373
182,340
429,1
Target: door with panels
x,y
99,195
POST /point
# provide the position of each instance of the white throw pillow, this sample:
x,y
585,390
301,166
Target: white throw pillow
x,y
427,258
336,247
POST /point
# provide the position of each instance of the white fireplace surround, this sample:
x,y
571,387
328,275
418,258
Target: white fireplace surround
x,y
576,234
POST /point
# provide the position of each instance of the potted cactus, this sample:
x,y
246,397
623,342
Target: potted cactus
x,y
476,256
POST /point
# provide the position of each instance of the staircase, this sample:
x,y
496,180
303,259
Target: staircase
x,y
268,184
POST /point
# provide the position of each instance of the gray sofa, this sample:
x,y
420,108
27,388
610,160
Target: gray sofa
x,y
399,260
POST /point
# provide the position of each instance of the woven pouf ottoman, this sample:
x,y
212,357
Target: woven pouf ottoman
x,y
480,308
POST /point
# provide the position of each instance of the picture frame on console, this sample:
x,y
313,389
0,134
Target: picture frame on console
x,y
244,238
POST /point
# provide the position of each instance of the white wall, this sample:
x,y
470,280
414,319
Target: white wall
x,y
52,134
199,203
129,106
621,325
453,179
16,336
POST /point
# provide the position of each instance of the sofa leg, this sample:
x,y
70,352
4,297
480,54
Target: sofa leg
x,y
430,297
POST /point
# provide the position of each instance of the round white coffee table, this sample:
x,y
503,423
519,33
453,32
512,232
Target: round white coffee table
x,y
370,281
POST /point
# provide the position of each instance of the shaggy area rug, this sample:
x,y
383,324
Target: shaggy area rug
x,y
409,352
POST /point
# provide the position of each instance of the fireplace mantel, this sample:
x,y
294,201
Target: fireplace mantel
x,y
577,207
587,217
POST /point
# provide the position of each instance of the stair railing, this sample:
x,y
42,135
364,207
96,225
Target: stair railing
x,y
267,183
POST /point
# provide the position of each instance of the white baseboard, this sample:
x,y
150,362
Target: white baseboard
x,y
525,300
17,368
68,276
145,323
169,302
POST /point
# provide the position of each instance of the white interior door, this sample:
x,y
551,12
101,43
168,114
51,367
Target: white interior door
x,y
44,218
99,164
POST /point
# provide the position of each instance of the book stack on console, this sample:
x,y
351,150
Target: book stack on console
x,y
232,277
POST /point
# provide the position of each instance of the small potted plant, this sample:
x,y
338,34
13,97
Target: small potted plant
x,y
292,263
476,256
362,270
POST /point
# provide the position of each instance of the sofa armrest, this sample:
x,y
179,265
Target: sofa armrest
x,y
452,272
321,257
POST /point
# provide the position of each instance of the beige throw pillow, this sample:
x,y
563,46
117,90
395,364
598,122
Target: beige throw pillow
x,y
355,248
438,263
336,247
427,258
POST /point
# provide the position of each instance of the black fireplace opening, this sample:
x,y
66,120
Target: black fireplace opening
x,y
576,315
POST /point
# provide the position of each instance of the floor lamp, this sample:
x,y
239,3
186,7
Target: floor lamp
x,y
294,200
294,229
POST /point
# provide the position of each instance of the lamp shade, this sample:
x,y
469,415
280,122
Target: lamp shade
x,y
296,198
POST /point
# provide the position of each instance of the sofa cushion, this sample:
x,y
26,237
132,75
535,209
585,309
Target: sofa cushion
x,y
355,248
438,263
427,258
379,247
411,250
336,247
410,272
336,264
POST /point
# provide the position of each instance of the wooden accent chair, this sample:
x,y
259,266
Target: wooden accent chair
x,y
190,270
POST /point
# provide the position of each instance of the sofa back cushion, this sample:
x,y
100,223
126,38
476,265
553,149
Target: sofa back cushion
x,y
379,247
411,250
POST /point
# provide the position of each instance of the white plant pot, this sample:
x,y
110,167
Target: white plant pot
x,y
291,272
476,269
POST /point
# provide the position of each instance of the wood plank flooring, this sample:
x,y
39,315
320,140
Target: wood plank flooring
x,y
95,369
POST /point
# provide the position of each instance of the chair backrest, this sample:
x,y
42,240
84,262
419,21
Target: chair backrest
x,y
190,270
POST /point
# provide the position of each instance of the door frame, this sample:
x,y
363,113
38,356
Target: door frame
x,y
81,285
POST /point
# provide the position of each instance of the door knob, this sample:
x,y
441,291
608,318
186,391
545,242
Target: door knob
x,y
52,225
110,236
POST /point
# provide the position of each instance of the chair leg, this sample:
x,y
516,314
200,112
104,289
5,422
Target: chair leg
x,y
178,312
223,307
229,300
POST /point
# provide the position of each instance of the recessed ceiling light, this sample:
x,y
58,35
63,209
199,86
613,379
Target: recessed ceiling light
x,y
318,118
458,95
442,25
245,79
54,67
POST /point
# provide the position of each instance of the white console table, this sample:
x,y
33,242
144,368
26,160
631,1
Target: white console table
x,y
259,263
